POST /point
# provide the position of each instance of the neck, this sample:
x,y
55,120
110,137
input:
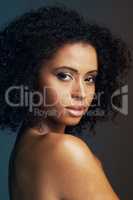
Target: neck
x,y
46,126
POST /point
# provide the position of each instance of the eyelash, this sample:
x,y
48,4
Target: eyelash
x,y
62,74
93,77
66,74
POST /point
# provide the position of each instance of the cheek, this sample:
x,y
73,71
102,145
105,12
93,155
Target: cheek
x,y
50,91
51,96
61,92
64,97
57,96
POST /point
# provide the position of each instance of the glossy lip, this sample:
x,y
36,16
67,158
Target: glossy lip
x,y
76,111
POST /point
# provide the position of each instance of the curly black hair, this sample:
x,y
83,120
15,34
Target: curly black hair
x,y
35,37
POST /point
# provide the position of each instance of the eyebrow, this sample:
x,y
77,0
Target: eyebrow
x,y
75,70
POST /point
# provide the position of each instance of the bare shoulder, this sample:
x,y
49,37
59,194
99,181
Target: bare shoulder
x,y
72,146
72,170
58,152
66,146
71,151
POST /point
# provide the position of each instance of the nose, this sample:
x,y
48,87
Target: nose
x,y
78,90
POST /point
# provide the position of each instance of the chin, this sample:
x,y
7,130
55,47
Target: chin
x,y
70,121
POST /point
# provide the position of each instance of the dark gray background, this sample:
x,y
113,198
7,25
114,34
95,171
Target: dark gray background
x,y
113,144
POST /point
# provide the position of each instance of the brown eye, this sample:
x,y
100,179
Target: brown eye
x,y
64,76
91,79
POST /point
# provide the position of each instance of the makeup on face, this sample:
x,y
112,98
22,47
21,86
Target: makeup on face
x,y
67,73
72,75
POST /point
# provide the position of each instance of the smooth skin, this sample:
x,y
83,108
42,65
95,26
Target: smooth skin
x,y
50,164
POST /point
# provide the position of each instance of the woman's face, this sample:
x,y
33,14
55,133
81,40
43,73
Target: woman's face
x,y
68,80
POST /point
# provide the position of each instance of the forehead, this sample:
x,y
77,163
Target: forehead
x,y
80,56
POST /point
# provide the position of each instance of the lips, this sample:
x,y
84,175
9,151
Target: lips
x,y
76,107
76,111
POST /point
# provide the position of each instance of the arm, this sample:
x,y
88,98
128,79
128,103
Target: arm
x,y
75,173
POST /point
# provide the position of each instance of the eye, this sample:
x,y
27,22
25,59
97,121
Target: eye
x,y
64,76
91,79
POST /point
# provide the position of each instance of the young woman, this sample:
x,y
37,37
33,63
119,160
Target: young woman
x,y
55,67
